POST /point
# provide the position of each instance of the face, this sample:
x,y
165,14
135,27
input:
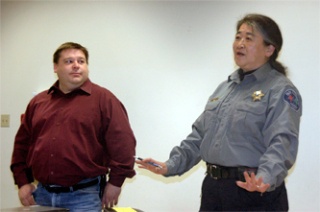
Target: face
x,y
249,49
72,69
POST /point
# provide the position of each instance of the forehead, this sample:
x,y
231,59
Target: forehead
x,y
247,29
72,53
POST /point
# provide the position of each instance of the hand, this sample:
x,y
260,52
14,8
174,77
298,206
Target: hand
x,y
25,194
144,164
110,196
252,184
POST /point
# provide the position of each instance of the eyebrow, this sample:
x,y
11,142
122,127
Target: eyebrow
x,y
247,33
71,58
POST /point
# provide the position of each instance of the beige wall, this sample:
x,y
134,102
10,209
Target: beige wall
x,y
163,60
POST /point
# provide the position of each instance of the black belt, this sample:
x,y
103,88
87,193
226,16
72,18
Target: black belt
x,y
61,189
223,172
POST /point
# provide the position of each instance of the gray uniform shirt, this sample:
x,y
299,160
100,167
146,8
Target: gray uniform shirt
x,y
254,123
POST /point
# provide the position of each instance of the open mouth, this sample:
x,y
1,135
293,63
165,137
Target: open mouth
x,y
240,54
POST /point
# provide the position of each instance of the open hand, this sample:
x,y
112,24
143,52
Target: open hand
x,y
252,184
147,164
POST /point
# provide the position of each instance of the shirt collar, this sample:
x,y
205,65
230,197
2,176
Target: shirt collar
x,y
259,74
86,87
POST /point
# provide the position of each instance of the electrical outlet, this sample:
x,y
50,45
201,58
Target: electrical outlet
x,y
5,120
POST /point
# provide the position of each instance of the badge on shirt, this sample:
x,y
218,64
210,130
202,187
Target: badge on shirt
x,y
257,95
214,99
291,97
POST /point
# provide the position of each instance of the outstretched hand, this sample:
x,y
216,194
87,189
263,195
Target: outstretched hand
x,y
147,164
252,184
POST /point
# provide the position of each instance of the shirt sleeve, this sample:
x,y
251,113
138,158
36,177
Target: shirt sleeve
x,y
22,174
184,157
281,132
120,143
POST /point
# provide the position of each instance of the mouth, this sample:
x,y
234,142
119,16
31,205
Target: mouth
x,y
75,74
240,54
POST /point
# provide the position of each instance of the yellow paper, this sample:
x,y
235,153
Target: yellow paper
x,y
122,209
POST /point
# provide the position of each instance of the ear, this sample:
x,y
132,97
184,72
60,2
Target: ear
x,y
55,67
269,50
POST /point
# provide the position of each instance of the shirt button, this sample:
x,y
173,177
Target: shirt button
x,y
51,155
51,173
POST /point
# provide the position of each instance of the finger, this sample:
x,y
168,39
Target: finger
x,y
109,205
142,167
264,188
259,181
253,175
143,164
24,202
241,184
246,176
27,202
31,200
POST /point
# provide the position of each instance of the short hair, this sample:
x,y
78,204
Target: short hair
x,y
70,45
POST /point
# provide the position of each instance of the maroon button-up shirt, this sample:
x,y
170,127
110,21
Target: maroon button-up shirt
x,y
65,138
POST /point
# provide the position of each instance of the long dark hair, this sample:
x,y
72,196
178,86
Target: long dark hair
x,y
271,35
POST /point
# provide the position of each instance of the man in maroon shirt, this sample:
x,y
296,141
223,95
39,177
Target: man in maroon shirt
x,y
71,136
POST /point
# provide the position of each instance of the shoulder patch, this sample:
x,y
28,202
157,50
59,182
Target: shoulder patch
x,y
291,97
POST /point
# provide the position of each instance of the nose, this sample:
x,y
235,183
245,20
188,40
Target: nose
x,y
240,44
75,65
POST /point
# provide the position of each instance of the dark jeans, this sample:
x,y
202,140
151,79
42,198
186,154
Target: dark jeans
x,y
225,195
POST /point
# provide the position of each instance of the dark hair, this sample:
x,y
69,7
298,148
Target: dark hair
x,y
69,45
271,35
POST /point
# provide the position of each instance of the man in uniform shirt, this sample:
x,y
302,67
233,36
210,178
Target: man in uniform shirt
x,y
71,137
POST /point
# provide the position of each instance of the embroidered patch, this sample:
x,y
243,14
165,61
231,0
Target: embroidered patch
x,y
291,97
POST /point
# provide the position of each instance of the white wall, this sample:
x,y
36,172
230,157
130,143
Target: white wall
x,y
163,60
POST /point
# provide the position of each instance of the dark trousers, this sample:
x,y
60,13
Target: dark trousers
x,y
225,195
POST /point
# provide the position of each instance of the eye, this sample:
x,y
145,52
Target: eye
x,y
81,61
68,61
237,37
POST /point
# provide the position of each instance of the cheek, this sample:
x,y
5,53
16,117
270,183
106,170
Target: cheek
x,y
234,47
252,52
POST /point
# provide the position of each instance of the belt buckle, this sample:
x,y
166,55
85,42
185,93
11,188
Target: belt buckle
x,y
215,172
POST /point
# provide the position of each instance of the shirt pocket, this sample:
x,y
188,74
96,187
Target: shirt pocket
x,y
249,119
211,114
212,105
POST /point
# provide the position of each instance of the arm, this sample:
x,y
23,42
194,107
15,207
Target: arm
x,y
21,172
184,157
281,133
120,147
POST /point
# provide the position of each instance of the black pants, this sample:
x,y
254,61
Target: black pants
x,y
225,195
